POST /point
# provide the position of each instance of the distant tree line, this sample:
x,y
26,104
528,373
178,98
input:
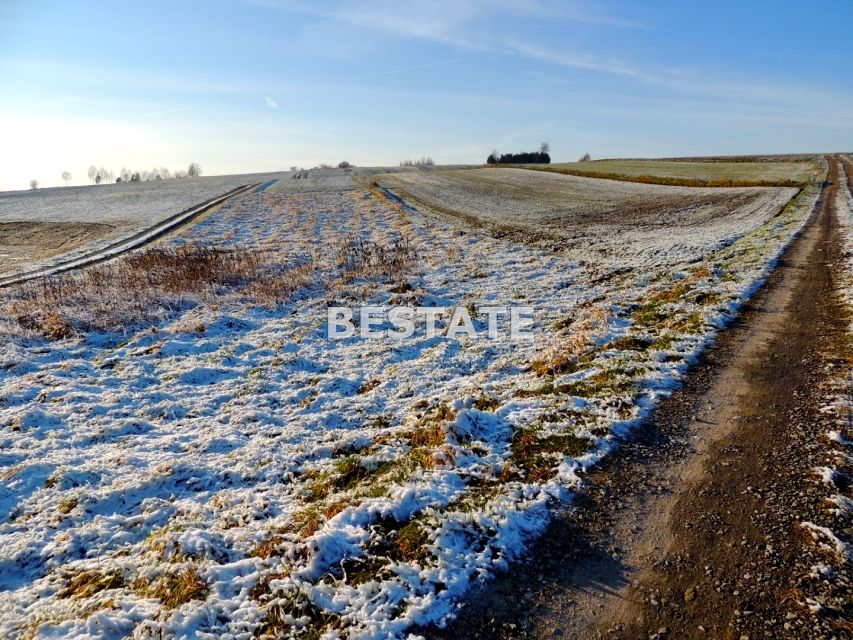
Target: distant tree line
x,y
102,176
423,162
524,157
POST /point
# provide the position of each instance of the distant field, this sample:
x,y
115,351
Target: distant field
x,y
709,171
594,220
43,224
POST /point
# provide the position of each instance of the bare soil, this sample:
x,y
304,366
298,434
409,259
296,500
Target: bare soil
x,y
693,528
23,242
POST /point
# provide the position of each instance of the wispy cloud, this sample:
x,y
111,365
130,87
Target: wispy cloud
x,y
585,61
272,104
459,23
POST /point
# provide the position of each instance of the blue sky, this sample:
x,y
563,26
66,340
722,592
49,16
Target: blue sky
x,y
257,85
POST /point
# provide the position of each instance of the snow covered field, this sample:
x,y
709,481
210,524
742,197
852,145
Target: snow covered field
x,y
231,472
89,217
582,216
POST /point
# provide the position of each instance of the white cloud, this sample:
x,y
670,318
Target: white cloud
x,y
272,104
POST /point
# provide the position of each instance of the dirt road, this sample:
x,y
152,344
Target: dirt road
x,y
693,529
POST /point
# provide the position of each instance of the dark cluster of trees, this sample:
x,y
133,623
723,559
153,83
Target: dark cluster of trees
x,y
524,157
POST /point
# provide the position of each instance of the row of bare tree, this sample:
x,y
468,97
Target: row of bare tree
x,y
100,176
103,176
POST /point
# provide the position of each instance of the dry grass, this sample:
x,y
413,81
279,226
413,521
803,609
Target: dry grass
x,y
410,544
580,333
146,286
156,283
88,583
67,505
430,429
359,258
350,471
368,386
564,357
174,588
268,548
308,521
285,609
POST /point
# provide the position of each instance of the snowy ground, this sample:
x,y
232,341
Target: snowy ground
x,y
231,472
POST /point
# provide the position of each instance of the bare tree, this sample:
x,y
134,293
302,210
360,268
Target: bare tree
x,y
585,157
194,170
545,148
66,176
34,184
93,171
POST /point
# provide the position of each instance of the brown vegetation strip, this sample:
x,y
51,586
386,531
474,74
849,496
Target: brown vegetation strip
x,y
669,181
153,284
